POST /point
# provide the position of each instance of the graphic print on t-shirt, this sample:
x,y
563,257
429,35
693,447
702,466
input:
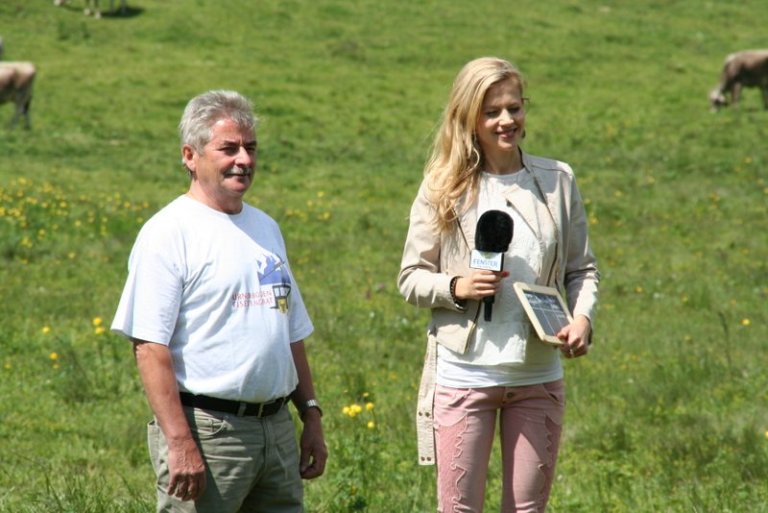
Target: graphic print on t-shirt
x,y
274,274
275,287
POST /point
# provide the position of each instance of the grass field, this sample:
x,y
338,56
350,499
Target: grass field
x,y
669,413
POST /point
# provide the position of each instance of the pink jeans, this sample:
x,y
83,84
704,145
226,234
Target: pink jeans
x,y
530,424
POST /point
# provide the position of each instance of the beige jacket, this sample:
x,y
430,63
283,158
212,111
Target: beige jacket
x,y
430,260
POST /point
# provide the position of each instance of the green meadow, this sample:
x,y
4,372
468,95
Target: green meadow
x,y
668,413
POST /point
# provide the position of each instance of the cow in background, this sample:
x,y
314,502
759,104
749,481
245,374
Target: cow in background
x,y
741,69
16,80
92,7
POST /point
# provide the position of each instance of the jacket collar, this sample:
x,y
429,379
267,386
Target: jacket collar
x,y
515,197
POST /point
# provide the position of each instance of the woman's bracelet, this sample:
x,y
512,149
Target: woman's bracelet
x,y
453,289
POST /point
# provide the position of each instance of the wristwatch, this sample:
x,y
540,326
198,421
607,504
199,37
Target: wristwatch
x,y
311,403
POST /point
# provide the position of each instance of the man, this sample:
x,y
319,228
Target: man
x,y
218,323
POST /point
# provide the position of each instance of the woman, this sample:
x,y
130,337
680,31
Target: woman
x,y
478,370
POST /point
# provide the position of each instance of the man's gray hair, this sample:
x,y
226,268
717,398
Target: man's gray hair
x,y
204,110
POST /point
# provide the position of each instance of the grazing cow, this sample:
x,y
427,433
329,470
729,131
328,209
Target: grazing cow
x,y
92,7
16,79
742,69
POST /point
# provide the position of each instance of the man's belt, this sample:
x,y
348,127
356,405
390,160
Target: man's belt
x,y
238,408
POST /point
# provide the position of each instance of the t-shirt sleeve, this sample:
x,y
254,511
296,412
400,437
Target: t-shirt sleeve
x,y
300,323
149,305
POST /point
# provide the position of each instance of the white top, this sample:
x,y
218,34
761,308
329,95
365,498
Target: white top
x,y
501,354
218,291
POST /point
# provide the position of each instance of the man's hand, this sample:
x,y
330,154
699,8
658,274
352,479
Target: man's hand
x,y
186,469
313,452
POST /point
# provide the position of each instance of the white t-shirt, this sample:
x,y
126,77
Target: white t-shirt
x,y
502,352
217,290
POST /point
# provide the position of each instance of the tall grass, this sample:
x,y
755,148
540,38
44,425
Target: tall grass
x,y
668,412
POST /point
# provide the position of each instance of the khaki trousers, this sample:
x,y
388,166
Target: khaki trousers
x,y
252,464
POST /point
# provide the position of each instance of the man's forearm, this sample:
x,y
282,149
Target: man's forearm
x,y
305,390
156,371
186,468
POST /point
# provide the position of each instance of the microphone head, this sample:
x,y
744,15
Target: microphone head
x,y
494,232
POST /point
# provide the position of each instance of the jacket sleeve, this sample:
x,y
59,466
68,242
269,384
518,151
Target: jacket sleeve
x,y
421,280
581,273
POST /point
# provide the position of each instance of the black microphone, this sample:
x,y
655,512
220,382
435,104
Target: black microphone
x,y
492,237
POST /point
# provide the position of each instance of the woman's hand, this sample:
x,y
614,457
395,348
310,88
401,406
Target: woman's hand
x,y
575,337
479,284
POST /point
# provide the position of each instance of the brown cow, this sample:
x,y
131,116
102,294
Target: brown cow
x,y
16,79
741,69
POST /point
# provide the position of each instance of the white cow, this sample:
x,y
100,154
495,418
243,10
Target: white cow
x,y
741,69
92,7
16,80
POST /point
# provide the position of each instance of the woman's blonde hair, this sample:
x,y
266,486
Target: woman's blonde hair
x,y
453,167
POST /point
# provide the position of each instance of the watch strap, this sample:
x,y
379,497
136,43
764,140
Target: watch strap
x,y
311,403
